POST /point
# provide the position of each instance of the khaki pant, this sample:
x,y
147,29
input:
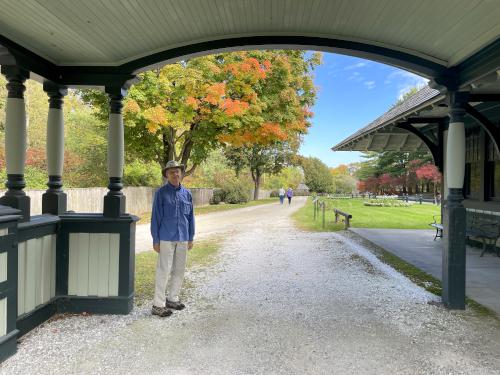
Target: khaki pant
x,y
169,271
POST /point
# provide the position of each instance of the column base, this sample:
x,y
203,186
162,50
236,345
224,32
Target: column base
x,y
54,202
114,205
19,201
454,252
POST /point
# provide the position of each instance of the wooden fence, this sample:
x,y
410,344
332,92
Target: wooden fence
x,y
139,199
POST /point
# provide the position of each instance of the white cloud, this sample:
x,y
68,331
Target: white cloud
x,y
404,81
369,84
356,66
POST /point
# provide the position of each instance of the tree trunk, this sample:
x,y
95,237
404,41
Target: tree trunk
x,y
256,179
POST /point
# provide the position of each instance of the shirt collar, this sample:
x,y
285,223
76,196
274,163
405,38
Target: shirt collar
x,y
172,187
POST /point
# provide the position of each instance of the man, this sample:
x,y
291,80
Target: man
x,y
172,229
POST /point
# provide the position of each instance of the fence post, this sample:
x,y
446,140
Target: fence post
x,y
314,208
324,214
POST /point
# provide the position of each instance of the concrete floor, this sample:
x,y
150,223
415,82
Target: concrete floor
x,y
418,248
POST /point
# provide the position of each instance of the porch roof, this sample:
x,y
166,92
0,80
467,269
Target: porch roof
x,y
104,37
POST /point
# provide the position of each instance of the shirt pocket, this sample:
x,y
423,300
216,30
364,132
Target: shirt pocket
x,y
186,206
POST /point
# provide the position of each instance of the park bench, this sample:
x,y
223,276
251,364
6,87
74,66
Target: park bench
x,y
438,225
346,217
480,225
485,227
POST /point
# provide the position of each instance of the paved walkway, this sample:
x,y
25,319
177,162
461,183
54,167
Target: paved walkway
x,y
277,301
418,248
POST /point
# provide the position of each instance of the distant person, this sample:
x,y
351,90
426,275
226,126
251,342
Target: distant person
x,y
289,195
281,194
172,229
438,198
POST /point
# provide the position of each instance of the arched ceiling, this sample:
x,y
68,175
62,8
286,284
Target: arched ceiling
x,y
125,36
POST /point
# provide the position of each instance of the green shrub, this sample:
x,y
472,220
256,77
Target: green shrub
x,y
138,173
235,192
217,197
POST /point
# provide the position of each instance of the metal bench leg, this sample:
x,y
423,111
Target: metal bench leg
x,y
484,247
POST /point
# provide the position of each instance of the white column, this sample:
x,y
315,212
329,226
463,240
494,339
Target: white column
x,y
54,201
55,142
115,145
114,201
15,135
455,155
15,141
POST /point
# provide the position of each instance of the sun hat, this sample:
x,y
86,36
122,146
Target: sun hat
x,y
172,164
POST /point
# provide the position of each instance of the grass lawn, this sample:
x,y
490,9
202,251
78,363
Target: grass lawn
x,y
202,254
417,216
146,216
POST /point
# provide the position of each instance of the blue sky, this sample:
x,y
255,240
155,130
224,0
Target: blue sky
x,y
352,93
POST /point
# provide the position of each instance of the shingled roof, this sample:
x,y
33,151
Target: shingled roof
x,y
408,106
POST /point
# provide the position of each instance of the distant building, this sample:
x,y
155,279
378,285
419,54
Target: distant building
x,y
302,189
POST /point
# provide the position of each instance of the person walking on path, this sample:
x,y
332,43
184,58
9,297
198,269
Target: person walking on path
x,y
281,194
289,195
172,229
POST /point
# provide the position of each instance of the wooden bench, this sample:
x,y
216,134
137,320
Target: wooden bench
x,y
438,225
346,217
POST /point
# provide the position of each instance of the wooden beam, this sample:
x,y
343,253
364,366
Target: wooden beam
x,y
405,139
490,128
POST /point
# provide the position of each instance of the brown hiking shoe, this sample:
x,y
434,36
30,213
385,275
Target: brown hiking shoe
x,y
174,305
161,311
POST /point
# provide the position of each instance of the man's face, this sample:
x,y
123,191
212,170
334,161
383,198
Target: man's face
x,y
174,176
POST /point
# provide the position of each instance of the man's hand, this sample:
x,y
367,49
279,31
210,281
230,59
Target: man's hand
x,y
156,247
190,245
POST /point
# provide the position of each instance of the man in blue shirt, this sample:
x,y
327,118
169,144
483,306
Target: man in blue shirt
x,y
172,229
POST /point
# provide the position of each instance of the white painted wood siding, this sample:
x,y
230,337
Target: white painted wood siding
x,y
36,272
93,264
3,267
3,316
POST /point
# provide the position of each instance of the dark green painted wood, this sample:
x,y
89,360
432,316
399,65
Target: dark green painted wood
x,y
8,345
481,63
39,226
96,305
34,318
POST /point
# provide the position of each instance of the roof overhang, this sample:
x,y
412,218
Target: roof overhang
x,y
72,43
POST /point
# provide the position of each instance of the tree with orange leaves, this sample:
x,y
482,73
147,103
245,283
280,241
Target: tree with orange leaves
x,y
278,118
180,111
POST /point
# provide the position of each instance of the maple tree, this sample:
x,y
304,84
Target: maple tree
x,y
178,112
279,116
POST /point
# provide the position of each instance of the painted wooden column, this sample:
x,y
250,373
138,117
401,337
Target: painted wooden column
x,y
114,201
54,201
454,212
15,141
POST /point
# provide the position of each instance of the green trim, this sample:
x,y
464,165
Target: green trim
x,y
96,305
8,345
34,318
481,63
126,270
39,226
113,75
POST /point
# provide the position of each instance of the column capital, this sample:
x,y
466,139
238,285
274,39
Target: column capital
x,y
457,100
56,94
116,95
16,77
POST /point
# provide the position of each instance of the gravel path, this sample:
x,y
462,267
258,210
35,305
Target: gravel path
x,y
278,301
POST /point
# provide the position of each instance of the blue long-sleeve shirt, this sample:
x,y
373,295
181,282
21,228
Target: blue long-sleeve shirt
x,y
172,218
